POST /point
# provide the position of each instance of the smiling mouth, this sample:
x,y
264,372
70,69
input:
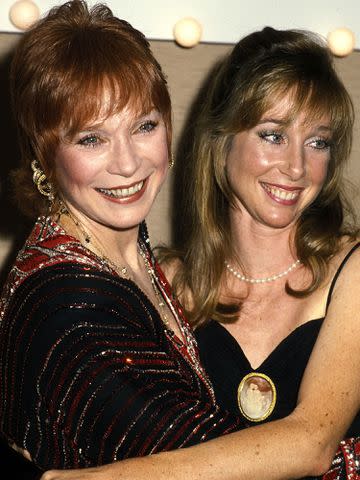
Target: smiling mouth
x,y
122,192
281,194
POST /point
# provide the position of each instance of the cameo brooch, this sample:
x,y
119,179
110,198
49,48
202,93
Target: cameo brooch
x,y
256,396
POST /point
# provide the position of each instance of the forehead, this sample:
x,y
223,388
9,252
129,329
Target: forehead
x,y
288,110
107,103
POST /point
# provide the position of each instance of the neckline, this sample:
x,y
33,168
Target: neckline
x,y
107,268
235,346
187,346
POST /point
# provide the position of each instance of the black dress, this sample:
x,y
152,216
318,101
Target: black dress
x,y
226,365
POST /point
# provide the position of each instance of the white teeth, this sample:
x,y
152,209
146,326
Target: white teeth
x,y
122,192
281,194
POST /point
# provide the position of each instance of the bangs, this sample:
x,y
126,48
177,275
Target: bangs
x,y
101,94
308,76
304,97
318,97
97,77
106,96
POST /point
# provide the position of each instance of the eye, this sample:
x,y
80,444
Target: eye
x,y
272,137
91,140
320,143
147,126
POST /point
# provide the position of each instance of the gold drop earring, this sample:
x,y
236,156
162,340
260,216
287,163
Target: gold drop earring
x,y
41,182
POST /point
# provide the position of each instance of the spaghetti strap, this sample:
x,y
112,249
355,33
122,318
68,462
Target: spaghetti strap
x,y
338,271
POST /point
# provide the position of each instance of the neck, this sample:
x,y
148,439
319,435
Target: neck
x,y
119,246
260,249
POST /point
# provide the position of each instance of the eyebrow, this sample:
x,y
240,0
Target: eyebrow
x,y
284,122
273,120
324,128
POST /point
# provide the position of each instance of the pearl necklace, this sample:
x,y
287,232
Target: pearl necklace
x,y
272,278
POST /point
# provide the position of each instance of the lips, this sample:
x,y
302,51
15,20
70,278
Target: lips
x,y
288,195
122,192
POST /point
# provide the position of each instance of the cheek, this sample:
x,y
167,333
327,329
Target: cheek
x,y
161,155
319,172
72,169
247,169
163,169
164,159
247,159
261,163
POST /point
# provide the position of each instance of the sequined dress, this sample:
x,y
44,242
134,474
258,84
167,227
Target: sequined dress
x,y
88,371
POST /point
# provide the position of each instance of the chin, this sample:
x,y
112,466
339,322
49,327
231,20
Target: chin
x,y
129,223
282,225
278,222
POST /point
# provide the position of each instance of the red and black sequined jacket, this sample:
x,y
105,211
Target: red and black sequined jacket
x,y
88,374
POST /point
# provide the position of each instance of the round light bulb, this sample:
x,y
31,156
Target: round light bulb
x,y
187,32
341,41
24,13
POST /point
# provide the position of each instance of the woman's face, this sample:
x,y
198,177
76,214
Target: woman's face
x,y
277,168
112,170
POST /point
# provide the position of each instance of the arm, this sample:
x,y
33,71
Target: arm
x,y
94,376
299,445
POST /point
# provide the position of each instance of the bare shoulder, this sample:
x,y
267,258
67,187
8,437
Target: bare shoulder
x,y
349,255
347,264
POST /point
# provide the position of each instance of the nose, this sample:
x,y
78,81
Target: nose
x,y
124,159
294,162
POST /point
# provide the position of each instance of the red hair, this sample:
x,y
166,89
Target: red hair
x,y
63,68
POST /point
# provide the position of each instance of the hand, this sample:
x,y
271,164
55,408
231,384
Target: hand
x,y
94,473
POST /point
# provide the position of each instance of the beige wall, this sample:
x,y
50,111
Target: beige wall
x,y
186,69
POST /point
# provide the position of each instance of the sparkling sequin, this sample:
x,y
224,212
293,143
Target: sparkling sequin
x,y
88,374
346,462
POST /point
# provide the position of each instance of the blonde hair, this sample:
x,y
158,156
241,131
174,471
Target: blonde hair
x,y
262,68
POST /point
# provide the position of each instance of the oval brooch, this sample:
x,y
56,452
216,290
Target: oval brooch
x,y
256,396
